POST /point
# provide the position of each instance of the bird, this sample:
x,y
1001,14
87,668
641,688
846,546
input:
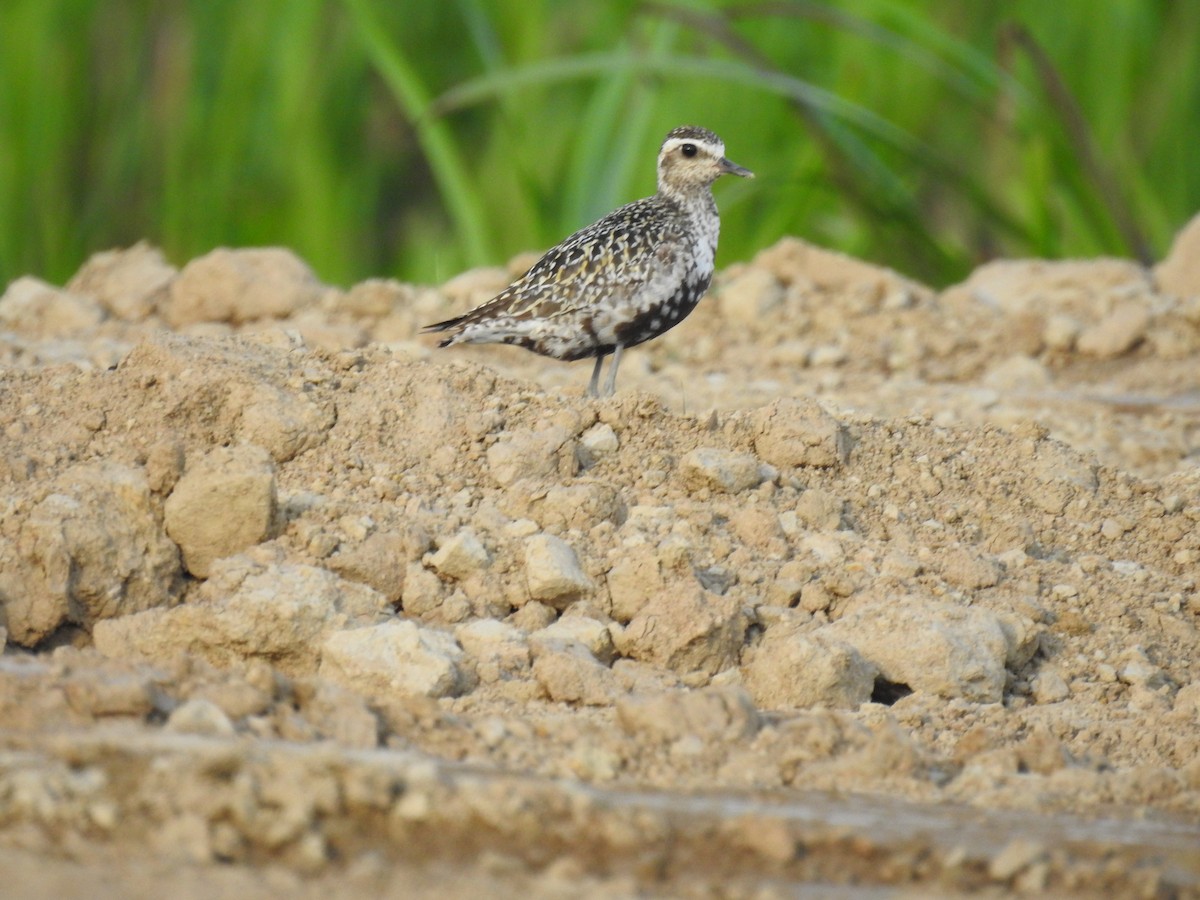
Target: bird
x,y
627,278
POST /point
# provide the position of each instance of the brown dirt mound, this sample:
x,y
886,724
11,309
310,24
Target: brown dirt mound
x,y
852,582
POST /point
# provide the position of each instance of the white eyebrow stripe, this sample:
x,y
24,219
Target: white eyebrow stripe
x,y
715,149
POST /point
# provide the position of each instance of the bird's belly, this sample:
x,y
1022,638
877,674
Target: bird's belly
x,y
656,318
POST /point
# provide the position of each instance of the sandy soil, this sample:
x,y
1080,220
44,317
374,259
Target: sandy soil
x,y
854,584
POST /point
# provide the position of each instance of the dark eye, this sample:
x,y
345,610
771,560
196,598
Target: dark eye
x,y
688,150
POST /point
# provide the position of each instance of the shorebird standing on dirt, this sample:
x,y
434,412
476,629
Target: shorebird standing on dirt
x,y
626,279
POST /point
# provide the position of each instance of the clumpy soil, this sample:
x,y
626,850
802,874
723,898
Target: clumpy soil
x,y
853,584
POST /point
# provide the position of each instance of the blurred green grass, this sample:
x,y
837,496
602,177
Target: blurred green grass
x,y
415,139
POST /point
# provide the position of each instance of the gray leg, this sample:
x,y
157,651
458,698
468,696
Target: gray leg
x,y
594,384
610,384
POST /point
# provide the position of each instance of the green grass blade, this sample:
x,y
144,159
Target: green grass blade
x,y
434,135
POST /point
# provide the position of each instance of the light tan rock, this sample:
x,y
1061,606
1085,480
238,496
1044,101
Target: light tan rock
x,y
378,561
130,283
460,555
592,633
596,443
1179,273
1187,702
794,261
1117,333
240,286
106,694
317,331
1061,475
1137,669
537,455
637,575
1023,636
749,296
222,505
91,549
580,505
789,669
1018,854
969,569
553,572
1050,687
1059,333
241,391
1045,287
423,594
690,630
1020,372
341,715
721,470
820,510
394,658
164,465
373,298
284,423
714,713
197,716
533,616
569,673
247,611
498,651
238,698
35,309
944,649
790,433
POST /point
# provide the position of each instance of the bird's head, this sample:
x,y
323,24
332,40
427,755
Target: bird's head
x,y
691,159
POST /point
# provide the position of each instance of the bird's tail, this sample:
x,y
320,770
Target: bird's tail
x,y
443,326
448,325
